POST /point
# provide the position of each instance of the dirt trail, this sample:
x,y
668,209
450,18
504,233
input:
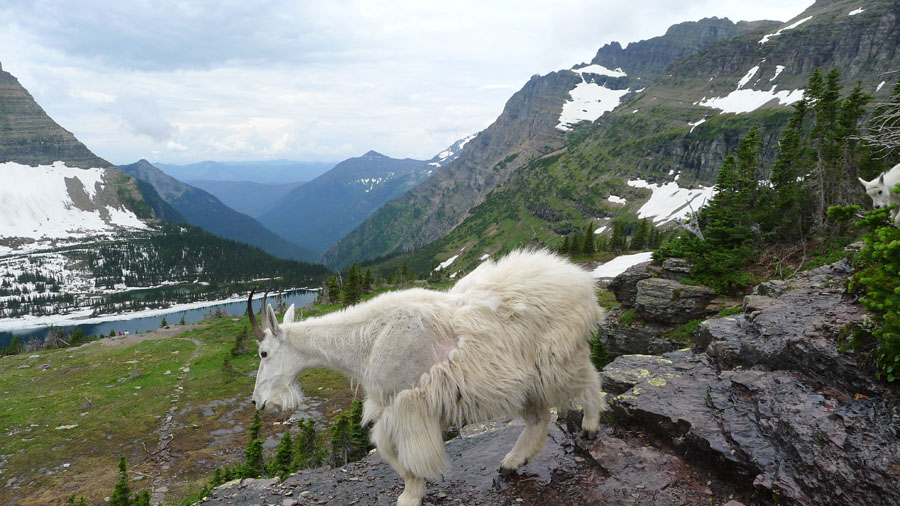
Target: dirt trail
x,y
160,455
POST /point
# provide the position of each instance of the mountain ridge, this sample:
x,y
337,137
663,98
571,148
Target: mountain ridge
x,y
676,131
204,210
529,127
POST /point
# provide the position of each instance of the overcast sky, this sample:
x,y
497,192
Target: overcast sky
x,y
181,82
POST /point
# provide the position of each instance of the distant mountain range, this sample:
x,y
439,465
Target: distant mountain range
x,y
598,140
322,211
275,172
204,210
252,199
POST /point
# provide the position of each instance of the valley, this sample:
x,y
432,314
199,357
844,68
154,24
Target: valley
x,y
706,174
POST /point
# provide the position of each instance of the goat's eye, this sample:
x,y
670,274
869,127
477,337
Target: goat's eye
x,y
263,354
880,192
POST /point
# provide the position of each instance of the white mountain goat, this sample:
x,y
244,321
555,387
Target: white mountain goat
x,y
508,340
881,189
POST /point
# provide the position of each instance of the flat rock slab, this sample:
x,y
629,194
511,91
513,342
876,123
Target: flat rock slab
x,y
617,468
797,328
771,429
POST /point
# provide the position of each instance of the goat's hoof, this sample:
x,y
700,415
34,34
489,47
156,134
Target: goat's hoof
x,y
507,472
589,434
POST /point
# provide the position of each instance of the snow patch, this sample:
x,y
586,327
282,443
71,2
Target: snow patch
x,y
790,27
671,202
484,257
600,230
35,203
741,101
878,88
854,12
446,263
778,70
620,264
747,77
589,102
695,125
616,200
600,70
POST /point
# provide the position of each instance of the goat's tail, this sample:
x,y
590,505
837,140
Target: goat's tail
x,y
416,432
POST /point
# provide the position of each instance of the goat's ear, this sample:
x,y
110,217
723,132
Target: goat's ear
x,y
289,315
881,179
863,181
270,321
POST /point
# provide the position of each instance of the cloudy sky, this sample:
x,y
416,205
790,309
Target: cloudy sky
x,y
185,81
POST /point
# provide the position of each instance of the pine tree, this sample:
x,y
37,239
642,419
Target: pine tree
x,y
181,322
359,433
164,322
619,241
575,245
641,236
564,248
253,455
602,243
349,438
281,466
307,450
353,287
142,498
341,441
332,291
120,495
587,245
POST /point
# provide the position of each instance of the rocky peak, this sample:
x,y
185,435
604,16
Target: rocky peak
x,y
648,59
30,137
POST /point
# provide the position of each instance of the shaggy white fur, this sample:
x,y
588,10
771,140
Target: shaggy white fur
x,y
508,340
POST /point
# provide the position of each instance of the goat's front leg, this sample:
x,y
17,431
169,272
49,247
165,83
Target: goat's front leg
x,y
530,441
413,491
413,486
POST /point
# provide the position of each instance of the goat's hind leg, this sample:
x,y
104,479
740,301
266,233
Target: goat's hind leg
x,y
530,441
594,403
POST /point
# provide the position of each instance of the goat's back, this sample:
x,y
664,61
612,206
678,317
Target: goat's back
x,y
537,289
523,325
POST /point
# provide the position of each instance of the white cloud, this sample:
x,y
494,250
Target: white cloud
x,y
314,81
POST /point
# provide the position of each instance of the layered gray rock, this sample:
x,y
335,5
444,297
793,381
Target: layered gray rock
x,y
640,338
661,302
772,400
624,286
670,302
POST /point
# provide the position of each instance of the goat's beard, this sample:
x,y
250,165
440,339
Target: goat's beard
x,y
288,398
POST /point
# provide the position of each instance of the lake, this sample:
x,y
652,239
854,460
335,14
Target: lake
x,y
142,322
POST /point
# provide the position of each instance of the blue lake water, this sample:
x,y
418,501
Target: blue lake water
x,y
142,323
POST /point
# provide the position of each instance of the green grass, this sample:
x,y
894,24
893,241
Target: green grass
x,y
685,332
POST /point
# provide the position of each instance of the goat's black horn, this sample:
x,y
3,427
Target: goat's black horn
x,y
253,323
